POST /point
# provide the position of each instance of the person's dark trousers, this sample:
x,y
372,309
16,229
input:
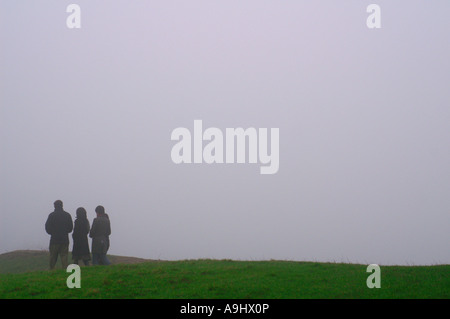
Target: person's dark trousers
x,y
61,250
85,261
100,259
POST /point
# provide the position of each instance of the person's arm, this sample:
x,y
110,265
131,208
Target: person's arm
x,y
108,229
93,229
88,227
75,229
49,225
69,223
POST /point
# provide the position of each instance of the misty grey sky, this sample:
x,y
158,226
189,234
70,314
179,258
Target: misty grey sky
x,y
86,116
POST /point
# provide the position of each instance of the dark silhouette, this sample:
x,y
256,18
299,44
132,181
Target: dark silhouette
x,y
80,250
58,225
100,231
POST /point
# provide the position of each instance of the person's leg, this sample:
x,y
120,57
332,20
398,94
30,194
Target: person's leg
x,y
85,259
64,252
105,260
95,259
53,255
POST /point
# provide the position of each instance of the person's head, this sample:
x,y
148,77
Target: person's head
x,y
100,210
81,213
58,204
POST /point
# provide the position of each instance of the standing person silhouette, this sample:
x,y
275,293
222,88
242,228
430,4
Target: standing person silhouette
x,y
81,229
100,231
58,225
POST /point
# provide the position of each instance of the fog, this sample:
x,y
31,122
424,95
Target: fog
x,y
86,116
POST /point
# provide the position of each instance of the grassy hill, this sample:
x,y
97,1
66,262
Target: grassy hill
x,y
20,261
225,279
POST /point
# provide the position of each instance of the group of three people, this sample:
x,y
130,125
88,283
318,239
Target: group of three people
x,y
59,225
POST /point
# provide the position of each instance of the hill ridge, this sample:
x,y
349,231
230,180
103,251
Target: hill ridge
x,y
25,260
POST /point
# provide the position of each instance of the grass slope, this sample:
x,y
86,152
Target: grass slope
x,y
20,261
231,279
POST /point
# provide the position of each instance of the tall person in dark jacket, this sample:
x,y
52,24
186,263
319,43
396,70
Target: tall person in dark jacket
x,y
100,231
80,233
58,225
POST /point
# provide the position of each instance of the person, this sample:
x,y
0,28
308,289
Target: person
x,y
58,225
100,231
80,250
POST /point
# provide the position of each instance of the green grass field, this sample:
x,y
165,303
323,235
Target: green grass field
x,y
225,279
